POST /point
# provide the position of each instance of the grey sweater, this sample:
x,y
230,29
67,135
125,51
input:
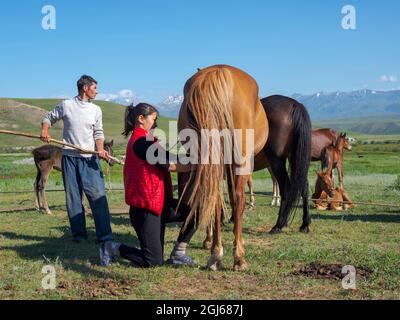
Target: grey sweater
x,y
82,124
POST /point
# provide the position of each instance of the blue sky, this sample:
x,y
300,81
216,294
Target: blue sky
x,y
152,47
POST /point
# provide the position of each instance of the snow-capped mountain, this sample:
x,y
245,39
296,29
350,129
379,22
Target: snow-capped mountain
x,y
170,106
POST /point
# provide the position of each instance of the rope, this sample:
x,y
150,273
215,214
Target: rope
x,y
260,195
28,135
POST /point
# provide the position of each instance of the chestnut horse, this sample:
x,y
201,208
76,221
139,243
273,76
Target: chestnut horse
x,y
224,98
332,157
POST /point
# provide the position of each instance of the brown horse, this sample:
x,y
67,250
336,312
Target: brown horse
x,y
289,140
221,97
47,158
329,197
323,138
332,157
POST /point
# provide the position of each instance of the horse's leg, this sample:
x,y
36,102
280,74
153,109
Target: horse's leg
x,y
231,196
36,188
217,251
276,197
43,182
279,170
306,211
340,174
208,240
277,192
250,185
238,244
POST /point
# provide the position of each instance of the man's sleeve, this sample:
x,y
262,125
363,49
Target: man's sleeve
x,y
98,132
54,115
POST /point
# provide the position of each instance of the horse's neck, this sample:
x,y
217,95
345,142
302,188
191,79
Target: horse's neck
x,y
318,188
340,145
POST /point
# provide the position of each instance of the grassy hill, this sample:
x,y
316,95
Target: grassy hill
x,y
383,125
26,115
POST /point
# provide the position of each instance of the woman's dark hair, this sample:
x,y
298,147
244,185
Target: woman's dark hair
x,y
133,112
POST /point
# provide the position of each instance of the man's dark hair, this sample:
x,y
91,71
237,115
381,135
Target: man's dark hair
x,y
85,80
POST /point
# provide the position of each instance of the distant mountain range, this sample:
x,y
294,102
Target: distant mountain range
x,y
325,106
352,110
353,104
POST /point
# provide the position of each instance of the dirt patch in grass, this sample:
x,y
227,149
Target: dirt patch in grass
x,y
98,288
209,285
328,271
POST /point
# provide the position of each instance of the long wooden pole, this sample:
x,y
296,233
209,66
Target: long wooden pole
x,y
28,135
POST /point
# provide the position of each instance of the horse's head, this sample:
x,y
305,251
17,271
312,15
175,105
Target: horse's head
x,y
343,142
326,182
346,142
108,146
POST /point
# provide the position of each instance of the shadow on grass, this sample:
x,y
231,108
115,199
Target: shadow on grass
x,y
72,255
382,217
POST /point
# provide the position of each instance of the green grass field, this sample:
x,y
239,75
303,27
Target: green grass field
x,y
366,237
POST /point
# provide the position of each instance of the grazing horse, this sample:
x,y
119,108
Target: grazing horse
x,y
224,98
332,157
47,158
327,197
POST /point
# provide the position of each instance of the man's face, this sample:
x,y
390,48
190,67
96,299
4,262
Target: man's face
x,y
90,91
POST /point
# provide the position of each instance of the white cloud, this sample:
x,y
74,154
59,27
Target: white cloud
x,y
388,78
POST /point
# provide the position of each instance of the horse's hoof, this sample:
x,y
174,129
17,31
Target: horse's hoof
x,y
275,230
214,263
240,266
49,212
304,229
251,207
206,244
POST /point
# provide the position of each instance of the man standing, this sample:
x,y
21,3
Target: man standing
x,y
82,172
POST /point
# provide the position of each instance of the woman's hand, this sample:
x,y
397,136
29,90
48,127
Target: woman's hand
x,y
179,167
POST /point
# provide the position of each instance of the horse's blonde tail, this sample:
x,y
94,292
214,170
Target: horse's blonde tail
x,y
209,102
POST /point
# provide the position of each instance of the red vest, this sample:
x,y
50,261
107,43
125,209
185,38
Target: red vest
x,y
145,185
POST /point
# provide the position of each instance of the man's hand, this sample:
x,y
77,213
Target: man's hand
x,y
103,154
44,136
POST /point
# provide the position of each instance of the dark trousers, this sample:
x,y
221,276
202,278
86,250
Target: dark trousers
x,y
150,230
84,174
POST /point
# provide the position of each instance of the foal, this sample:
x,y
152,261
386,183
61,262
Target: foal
x,y
332,157
330,198
47,158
